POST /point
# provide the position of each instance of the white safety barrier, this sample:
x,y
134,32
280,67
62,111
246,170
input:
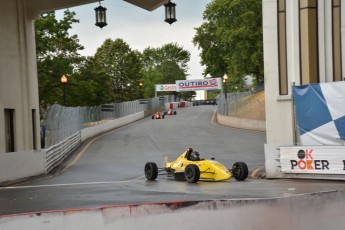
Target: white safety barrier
x,y
16,165
307,212
20,165
112,124
236,122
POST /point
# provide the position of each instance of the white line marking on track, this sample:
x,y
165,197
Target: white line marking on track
x,y
71,184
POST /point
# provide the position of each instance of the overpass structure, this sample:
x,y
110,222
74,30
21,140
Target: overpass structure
x,y
19,103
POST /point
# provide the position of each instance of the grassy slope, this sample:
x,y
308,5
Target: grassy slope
x,y
250,107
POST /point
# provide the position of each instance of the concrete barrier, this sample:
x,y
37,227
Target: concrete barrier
x,y
112,124
241,123
16,165
171,105
20,165
307,212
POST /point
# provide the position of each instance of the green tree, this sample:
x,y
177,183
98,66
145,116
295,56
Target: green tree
x,y
164,65
122,66
151,77
90,86
230,40
57,54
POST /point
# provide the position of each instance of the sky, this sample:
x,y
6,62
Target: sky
x,y
140,28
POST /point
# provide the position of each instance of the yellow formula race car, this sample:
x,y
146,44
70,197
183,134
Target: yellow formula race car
x,y
191,168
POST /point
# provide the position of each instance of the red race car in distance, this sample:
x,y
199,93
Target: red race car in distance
x,y
170,112
157,115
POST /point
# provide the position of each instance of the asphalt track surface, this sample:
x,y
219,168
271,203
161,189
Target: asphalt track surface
x,y
108,169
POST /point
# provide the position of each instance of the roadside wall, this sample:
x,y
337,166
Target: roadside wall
x,y
240,123
112,124
308,212
20,165
15,165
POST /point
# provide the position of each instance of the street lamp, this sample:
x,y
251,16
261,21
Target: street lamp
x,y
170,13
101,19
64,82
225,78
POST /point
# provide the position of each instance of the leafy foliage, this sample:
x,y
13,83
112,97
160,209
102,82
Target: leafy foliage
x,y
57,54
164,65
90,86
122,66
231,40
115,73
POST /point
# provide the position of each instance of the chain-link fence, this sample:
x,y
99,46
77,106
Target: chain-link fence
x,y
238,104
224,101
60,122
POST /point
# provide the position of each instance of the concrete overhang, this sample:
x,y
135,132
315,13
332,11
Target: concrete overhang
x,y
35,7
149,5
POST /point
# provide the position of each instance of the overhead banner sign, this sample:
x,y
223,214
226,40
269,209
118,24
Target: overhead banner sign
x,y
320,111
165,87
313,159
199,84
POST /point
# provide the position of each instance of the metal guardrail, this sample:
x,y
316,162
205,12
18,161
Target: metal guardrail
x,y
57,153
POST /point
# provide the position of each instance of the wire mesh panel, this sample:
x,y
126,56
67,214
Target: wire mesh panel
x,y
60,122
236,105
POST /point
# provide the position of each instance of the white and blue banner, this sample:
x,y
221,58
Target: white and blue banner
x,y
320,112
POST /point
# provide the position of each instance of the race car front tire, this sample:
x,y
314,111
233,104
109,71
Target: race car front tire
x,y
151,170
240,171
192,173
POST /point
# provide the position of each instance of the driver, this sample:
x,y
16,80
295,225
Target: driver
x,y
195,156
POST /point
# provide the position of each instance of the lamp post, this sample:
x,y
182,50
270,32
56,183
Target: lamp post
x,y
225,78
64,82
141,89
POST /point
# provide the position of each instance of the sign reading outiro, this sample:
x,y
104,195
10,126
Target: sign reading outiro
x,y
313,159
199,84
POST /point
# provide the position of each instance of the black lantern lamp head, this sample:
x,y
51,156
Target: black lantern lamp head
x,y
170,13
101,19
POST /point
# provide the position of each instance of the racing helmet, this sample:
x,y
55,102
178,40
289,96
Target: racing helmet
x,y
195,156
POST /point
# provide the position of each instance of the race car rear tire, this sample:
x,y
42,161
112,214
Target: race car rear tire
x,y
151,170
153,117
192,173
240,171
163,116
174,112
